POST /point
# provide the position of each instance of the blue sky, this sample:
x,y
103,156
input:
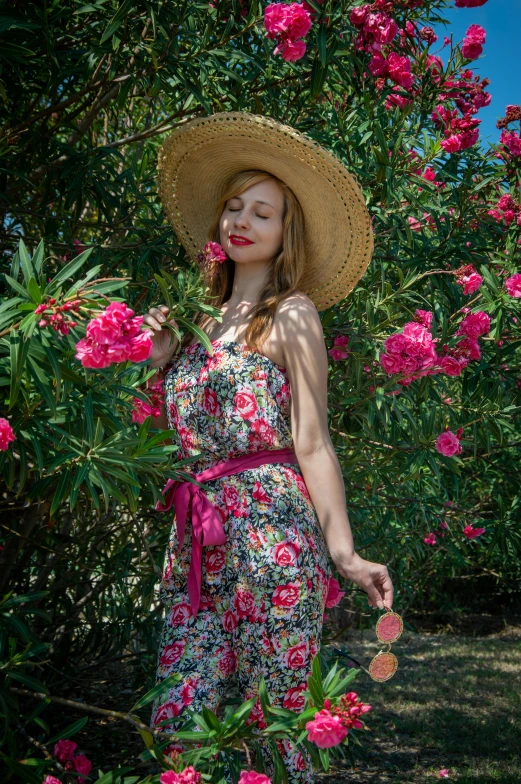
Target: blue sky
x,y
500,60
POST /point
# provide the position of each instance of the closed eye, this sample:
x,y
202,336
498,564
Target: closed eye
x,y
264,217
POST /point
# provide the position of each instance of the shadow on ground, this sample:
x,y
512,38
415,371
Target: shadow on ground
x,y
453,703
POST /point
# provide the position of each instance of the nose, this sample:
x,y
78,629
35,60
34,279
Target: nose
x,y
241,219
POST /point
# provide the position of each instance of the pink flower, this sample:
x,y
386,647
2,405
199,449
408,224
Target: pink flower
x,y
512,142
411,351
334,594
399,70
452,366
359,14
444,772
285,553
114,336
326,730
285,23
64,750
448,444
430,539
472,43
338,353
470,283
6,434
512,285
291,50
470,3
471,532
424,317
82,764
474,325
251,777
51,780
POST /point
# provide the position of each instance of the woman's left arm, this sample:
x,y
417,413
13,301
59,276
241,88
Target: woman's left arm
x,y
299,331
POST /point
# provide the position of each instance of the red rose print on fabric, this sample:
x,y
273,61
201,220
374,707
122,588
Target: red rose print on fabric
x,y
286,595
286,553
172,653
245,404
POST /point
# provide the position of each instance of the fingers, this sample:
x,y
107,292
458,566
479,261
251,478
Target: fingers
x,y
155,317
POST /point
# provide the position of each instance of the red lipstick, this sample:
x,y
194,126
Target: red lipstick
x,y
237,239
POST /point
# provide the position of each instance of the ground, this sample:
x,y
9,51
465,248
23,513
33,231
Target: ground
x,y
454,703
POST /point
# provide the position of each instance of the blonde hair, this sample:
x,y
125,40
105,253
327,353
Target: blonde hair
x,y
286,271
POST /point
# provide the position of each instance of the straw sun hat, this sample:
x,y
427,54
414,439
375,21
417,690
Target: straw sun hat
x,y
198,158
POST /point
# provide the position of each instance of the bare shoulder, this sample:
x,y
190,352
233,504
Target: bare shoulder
x,y
298,325
298,310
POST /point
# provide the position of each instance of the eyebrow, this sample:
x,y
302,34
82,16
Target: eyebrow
x,y
257,201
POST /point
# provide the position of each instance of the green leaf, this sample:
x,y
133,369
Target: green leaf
x,y
116,20
38,257
322,44
69,270
69,731
197,331
27,680
156,690
16,286
324,758
169,302
25,259
61,491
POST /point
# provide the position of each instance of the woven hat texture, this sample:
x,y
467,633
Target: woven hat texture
x,y
199,157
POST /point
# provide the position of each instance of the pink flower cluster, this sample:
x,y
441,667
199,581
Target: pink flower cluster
x,y
374,29
467,277
513,285
339,350
286,23
57,320
468,92
506,209
459,132
114,336
512,142
413,352
331,725
65,752
210,257
6,434
472,45
448,443
187,776
143,410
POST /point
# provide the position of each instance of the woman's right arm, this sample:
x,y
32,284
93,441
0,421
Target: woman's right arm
x,y
162,351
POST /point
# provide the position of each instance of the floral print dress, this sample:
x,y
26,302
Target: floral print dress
x,y
263,592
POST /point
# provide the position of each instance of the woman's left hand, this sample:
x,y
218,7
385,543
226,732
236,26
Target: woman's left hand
x,y
372,577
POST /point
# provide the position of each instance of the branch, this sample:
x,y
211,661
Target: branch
x,y
93,709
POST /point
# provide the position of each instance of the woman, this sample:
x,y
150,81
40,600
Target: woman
x,y
246,595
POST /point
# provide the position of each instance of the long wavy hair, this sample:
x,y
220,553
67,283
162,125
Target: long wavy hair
x,y
286,270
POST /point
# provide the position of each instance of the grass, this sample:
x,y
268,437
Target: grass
x,y
454,702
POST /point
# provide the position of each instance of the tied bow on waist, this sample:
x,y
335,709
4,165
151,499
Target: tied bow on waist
x,y
207,527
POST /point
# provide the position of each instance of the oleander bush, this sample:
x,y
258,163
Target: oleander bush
x,y
425,376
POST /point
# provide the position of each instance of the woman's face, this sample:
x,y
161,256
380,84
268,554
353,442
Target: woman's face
x,y
255,215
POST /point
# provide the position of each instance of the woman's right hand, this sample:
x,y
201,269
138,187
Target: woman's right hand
x,y
162,350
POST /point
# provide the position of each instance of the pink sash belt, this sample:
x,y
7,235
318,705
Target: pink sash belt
x,y
207,528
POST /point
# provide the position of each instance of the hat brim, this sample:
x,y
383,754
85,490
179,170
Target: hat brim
x,y
198,158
